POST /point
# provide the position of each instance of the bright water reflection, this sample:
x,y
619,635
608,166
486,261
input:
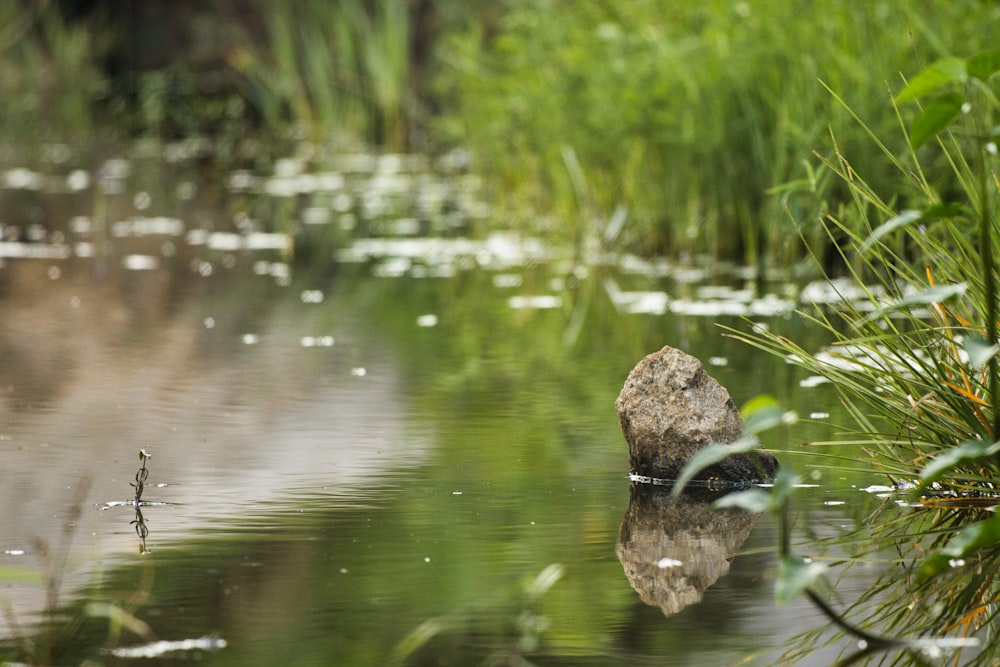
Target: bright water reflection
x,y
387,447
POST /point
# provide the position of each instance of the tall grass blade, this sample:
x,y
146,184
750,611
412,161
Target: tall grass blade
x,y
929,296
907,217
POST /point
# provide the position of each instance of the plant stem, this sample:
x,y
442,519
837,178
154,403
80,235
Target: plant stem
x,y
989,284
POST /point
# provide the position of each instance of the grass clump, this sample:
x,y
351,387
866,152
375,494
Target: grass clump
x,y
687,114
915,358
912,358
48,75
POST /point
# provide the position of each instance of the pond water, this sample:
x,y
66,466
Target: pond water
x,y
377,434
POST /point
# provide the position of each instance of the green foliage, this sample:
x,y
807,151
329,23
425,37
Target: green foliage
x,y
320,70
336,68
968,542
915,358
949,461
711,454
48,74
796,574
686,113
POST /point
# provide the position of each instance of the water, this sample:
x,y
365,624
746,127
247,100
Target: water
x,y
380,446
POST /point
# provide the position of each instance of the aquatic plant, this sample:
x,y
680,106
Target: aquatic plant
x,y
685,114
915,361
339,69
141,475
524,636
48,73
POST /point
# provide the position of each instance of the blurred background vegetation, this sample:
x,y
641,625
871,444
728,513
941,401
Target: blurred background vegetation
x,y
708,123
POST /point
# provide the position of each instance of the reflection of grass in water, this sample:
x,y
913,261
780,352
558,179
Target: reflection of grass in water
x,y
528,625
58,636
45,646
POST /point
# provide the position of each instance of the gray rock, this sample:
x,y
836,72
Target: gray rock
x,y
670,409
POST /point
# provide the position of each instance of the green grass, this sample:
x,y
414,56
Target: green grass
x,y
699,118
47,74
915,362
336,69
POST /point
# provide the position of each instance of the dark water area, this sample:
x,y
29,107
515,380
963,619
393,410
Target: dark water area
x,y
377,433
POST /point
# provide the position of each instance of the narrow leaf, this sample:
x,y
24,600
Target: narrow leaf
x,y
973,538
983,65
119,616
710,455
19,575
934,118
418,637
970,539
932,566
758,402
937,294
980,351
938,211
933,77
784,484
764,419
795,575
751,500
903,219
967,451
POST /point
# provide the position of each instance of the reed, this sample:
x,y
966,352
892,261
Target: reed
x,y
336,69
915,361
699,118
48,74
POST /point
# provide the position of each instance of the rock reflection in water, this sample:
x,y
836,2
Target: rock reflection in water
x,y
673,549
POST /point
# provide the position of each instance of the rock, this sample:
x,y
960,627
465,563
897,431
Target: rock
x,y
670,409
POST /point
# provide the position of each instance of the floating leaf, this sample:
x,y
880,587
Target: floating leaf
x,y
710,455
795,575
934,118
904,218
980,351
937,294
983,65
967,451
933,77
751,500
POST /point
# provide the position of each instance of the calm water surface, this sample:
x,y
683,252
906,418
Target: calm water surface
x,y
376,434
